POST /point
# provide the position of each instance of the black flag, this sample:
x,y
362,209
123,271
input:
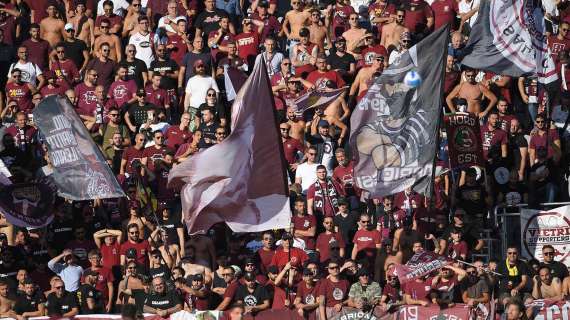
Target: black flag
x,y
394,127
80,170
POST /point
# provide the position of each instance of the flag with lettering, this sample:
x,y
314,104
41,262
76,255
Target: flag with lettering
x,y
242,180
80,170
319,99
463,139
419,265
394,128
509,38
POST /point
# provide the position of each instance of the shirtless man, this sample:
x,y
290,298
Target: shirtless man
x,y
355,35
132,19
473,92
203,249
318,31
338,109
113,41
298,126
82,24
51,27
545,286
295,20
192,267
364,78
334,122
391,32
6,304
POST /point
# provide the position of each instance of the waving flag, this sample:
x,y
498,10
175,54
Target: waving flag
x,y
509,38
394,127
419,265
242,180
315,99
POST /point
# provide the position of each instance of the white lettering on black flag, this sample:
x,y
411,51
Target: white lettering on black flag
x,y
509,39
80,170
394,127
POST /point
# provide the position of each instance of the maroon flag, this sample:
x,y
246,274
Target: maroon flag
x,y
419,265
464,140
242,180
319,98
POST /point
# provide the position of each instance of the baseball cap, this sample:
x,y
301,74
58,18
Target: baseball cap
x,y
141,93
249,276
263,4
68,26
131,253
405,36
323,123
198,277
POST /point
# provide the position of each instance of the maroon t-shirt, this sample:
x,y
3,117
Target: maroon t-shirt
x,y
27,138
340,19
65,71
367,240
176,137
86,99
537,141
157,97
22,94
444,11
446,286
319,79
271,25
324,241
455,250
556,45
505,122
326,209
280,259
291,147
110,255
334,292
416,15
142,247
305,223
490,138
450,81
344,176
153,154
131,154
265,257
179,48
247,45
122,91
105,276
418,290
231,289
198,303
38,52
394,294
8,26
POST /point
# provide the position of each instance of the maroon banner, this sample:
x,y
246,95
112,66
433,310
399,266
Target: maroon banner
x,y
457,312
550,311
419,265
464,140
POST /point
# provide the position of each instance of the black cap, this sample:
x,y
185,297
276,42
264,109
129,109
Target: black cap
x,y
286,236
273,270
141,93
307,272
131,253
198,277
249,276
263,4
250,260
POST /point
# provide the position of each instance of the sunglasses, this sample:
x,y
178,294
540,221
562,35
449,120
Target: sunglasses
x,y
512,253
134,232
284,129
60,51
211,94
333,267
159,137
550,253
113,114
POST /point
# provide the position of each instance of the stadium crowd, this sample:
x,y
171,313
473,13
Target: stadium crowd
x,y
147,80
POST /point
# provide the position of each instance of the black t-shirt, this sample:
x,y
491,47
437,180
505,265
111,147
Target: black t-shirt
x,y
162,301
138,114
255,298
168,66
208,132
209,21
171,225
509,281
472,199
219,110
89,292
161,271
26,303
61,306
346,226
135,70
341,63
74,51
513,154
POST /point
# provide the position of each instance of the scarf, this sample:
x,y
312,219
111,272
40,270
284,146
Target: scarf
x,y
513,271
328,194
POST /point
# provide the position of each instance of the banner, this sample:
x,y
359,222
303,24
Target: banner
x,y
509,38
464,140
457,312
242,180
319,98
27,204
557,311
546,227
394,127
419,265
80,171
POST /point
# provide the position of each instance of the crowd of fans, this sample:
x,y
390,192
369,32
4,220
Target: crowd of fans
x,y
147,80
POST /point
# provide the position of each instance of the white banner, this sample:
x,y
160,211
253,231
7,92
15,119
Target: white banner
x,y
539,228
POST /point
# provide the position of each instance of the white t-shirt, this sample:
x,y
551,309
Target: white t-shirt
x,y
168,27
30,71
308,174
118,7
465,7
197,87
328,155
144,47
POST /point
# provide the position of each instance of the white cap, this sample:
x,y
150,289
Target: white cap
x,y
68,26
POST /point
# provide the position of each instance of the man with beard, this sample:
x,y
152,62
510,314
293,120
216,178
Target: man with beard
x,y
364,294
445,286
253,296
473,92
304,226
557,268
342,61
332,292
517,149
545,286
138,112
31,303
322,75
322,196
134,241
152,154
168,69
492,137
298,126
387,217
20,91
366,240
330,243
474,289
90,299
85,92
103,65
391,293
123,90
162,301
